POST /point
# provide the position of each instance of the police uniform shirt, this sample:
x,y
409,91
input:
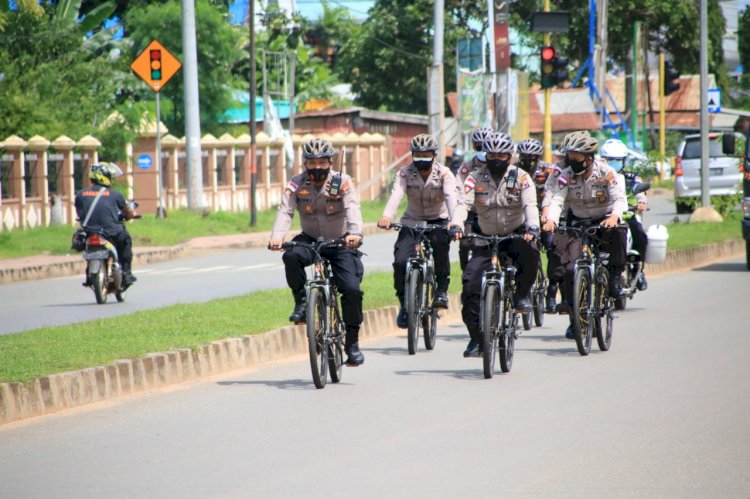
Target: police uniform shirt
x,y
598,196
505,206
438,196
322,213
106,214
469,166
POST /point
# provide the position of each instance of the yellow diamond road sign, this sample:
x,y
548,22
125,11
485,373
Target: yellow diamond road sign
x,y
155,65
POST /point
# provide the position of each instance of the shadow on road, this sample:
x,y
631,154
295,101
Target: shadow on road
x,y
288,384
723,267
93,304
465,374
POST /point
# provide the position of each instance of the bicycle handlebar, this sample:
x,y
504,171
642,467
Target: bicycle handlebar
x,y
424,227
316,246
589,229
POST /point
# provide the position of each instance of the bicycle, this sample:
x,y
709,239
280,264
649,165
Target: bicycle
x,y
420,288
591,300
538,293
325,328
498,318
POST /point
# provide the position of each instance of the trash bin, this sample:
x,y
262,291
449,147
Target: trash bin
x,y
656,252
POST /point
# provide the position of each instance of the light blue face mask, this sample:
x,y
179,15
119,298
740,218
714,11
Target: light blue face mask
x,y
617,164
482,156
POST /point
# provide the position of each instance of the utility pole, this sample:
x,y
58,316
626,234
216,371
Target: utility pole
x,y
662,111
705,197
253,92
634,98
436,99
547,105
193,160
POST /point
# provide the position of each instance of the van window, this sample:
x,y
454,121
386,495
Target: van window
x,y
693,149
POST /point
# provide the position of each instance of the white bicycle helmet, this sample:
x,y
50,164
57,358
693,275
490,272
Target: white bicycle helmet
x,y
479,135
498,143
581,142
424,143
317,148
530,147
613,149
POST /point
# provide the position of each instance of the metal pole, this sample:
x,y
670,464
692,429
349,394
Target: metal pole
x,y
193,160
291,100
160,211
705,197
253,145
634,111
547,106
437,90
662,113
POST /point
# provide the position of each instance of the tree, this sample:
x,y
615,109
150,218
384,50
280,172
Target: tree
x,y
218,52
386,60
743,39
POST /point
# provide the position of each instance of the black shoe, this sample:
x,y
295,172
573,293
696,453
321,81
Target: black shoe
x,y
563,308
441,300
401,318
570,333
615,289
128,279
354,356
641,284
551,307
473,349
523,305
299,313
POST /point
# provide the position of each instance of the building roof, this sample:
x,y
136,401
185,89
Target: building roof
x,y
415,119
571,109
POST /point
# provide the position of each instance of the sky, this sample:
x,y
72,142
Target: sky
x,y
309,9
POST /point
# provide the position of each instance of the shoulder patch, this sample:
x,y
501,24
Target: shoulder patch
x,y
402,173
556,171
469,183
464,170
525,184
562,181
291,187
610,178
346,186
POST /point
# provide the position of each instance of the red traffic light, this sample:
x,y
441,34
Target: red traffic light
x,y
548,53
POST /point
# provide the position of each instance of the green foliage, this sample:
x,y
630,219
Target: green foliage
x,y
218,45
724,204
743,39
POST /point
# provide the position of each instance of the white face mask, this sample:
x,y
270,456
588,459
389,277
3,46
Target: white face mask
x,y
482,156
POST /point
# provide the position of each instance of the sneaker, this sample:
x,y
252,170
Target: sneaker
x,y
128,279
299,313
523,305
570,333
401,321
615,289
473,349
641,284
354,356
441,300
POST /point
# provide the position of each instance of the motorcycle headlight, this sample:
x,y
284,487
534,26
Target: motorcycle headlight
x,y
746,207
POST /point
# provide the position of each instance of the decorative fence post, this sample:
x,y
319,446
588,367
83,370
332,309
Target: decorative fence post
x,y
65,178
39,145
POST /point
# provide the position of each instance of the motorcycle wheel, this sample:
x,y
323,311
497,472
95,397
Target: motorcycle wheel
x,y
98,279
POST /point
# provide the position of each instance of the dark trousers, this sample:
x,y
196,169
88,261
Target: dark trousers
x,y
613,242
124,246
405,248
525,256
347,268
640,239
465,245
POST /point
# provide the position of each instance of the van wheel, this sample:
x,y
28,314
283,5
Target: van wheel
x,y
683,207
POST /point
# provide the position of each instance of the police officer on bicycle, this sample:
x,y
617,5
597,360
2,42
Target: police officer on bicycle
x,y
590,189
433,197
470,165
504,198
328,207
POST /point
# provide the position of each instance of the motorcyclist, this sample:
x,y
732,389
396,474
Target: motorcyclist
x,y
107,215
328,207
616,154
592,191
477,161
504,198
433,197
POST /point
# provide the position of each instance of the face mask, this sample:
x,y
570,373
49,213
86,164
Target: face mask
x,y
528,164
497,167
318,174
482,157
576,166
617,164
423,164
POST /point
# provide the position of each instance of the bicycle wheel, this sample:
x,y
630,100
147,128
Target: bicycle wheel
x,y
582,324
603,310
538,294
317,325
507,339
413,309
491,314
527,320
336,358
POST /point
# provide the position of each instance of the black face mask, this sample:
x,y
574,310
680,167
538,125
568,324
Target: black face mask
x,y
423,164
576,166
498,167
318,174
528,164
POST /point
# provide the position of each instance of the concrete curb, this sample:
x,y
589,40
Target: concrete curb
x,y
57,392
74,264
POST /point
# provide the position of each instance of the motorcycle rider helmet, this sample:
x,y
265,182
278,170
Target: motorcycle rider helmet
x,y
317,148
102,173
530,147
615,152
424,143
498,143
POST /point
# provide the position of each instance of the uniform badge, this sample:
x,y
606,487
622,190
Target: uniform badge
x,y
562,181
402,173
557,171
486,177
304,192
610,177
464,170
480,189
469,184
308,208
291,188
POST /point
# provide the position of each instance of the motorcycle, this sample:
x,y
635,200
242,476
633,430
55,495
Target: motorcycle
x,y
634,260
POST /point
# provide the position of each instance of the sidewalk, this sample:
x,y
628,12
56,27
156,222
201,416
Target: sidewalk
x,y
49,266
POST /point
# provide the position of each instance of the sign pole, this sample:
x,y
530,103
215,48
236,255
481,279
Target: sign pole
x,y
160,211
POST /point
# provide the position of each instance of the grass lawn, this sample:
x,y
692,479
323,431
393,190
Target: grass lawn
x,y
684,235
38,352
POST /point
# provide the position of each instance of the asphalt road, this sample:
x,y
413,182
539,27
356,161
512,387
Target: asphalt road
x,y
33,304
663,414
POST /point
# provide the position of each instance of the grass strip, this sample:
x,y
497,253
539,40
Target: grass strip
x,y
39,352
685,235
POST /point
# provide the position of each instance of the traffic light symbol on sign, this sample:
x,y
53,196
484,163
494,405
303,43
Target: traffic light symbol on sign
x,y
670,77
155,57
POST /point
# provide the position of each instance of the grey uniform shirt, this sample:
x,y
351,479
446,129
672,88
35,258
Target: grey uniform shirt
x,y
598,196
438,196
321,213
505,206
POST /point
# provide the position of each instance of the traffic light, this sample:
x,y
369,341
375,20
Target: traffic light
x,y
155,56
670,75
554,68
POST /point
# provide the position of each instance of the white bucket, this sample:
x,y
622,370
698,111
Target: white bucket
x,y
656,252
